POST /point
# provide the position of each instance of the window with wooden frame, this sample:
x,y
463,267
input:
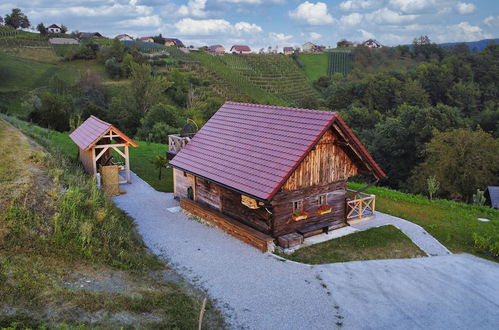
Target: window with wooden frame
x,y
298,205
322,200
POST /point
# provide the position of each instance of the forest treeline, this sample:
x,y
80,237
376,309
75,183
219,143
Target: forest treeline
x,y
405,117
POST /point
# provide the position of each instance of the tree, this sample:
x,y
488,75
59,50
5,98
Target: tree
x,y
159,39
160,162
462,161
145,87
17,19
41,28
432,185
169,116
53,113
64,28
479,197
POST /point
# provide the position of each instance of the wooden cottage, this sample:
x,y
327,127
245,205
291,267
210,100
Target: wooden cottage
x,y
95,139
272,171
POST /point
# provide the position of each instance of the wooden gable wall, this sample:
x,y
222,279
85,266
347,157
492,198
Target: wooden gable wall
x,y
326,163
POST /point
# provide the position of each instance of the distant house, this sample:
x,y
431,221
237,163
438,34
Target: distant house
x,y
493,196
2,22
312,48
146,39
85,35
216,50
123,37
371,43
63,41
240,49
54,29
346,43
173,42
288,50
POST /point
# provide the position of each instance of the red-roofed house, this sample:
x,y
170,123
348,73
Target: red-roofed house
x,y
146,39
240,49
95,138
260,166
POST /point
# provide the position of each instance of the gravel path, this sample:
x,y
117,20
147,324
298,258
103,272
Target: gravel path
x,y
259,291
417,234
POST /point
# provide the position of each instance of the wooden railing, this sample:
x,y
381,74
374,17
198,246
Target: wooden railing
x,y
360,205
177,142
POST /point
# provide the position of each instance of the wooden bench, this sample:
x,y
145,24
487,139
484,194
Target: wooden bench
x,y
324,226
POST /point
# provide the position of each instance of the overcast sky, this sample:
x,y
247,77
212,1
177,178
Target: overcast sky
x,y
263,23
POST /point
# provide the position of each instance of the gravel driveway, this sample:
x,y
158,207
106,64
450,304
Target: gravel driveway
x,y
259,291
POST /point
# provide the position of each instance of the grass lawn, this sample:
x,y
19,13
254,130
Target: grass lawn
x,y
453,224
315,65
385,242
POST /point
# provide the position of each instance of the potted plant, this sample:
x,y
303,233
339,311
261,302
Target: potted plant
x,y
323,209
300,215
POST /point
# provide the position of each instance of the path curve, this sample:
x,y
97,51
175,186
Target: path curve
x,y
257,291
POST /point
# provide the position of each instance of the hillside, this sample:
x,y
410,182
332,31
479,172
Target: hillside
x,y
477,46
70,258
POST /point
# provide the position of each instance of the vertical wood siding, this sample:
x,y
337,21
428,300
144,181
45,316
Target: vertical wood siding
x,y
326,164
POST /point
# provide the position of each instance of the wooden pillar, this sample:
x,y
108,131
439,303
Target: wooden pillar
x,y
94,164
127,166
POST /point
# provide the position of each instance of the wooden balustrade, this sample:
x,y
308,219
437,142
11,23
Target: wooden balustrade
x,y
177,142
360,206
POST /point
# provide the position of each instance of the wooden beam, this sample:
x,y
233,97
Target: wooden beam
x,y
127,166
110,145
94,165
100,154
119,151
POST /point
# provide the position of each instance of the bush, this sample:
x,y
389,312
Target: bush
x,y
486,244
53,113
113,68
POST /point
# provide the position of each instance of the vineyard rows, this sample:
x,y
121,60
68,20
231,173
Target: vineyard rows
x,y
339,61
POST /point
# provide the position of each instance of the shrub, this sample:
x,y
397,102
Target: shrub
x,y
486,244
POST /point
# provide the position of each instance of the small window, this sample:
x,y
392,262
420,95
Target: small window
x,y
322,200
297,206
185,173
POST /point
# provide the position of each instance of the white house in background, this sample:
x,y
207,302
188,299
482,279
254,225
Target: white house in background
x,y
240,49
309,47
2,23
371,43
124,37
54,29
288,50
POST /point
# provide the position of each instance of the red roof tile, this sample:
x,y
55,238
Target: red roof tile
x,y
240,48
255,148
88,133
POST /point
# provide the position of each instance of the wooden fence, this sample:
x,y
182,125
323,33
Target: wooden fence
x,y
360,206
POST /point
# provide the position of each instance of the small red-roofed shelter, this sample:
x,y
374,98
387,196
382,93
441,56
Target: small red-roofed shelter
x,y
95,139
276,170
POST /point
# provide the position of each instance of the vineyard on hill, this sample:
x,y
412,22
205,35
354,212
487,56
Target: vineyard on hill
x,y
339,61
275,79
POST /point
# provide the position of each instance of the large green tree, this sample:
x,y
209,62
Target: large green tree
x,y
462,161
17,19
145,87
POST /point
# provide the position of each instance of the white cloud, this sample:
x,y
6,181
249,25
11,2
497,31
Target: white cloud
x,y
315,35
351,19
365,34
463,31
194,8
189,26
387,16
280,36
465,8
144,21
254,2
247,27
491,21
352,5
413,6
312,14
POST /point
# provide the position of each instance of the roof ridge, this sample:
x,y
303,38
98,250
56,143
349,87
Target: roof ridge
x,y
100,120
281,107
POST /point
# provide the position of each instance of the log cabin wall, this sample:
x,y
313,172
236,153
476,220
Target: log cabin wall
x,y
208,193
327,163
258,219
282,207
181,182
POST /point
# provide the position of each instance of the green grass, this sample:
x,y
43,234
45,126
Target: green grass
x,y
385,242
452,223
314,65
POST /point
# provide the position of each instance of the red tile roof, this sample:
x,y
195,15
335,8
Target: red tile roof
x,y
253,148
240,48
88,133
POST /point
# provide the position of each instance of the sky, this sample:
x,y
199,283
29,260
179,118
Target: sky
x,y
275,23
